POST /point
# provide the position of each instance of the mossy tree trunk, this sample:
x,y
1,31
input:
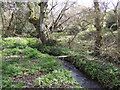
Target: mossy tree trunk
x,y
40,28
39,22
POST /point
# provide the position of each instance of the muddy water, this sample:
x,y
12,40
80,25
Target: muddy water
x,y
81,78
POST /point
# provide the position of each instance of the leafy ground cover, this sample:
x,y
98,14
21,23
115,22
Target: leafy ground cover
x,y
106,73
26,54
24,66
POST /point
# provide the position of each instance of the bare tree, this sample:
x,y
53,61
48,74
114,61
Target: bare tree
x,y
57,18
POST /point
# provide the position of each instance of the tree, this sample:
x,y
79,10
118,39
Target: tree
x,y
57,19
38,22
98,26
13,19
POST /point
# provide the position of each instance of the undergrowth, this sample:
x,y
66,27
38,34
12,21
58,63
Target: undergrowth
x,y
22,59
106,73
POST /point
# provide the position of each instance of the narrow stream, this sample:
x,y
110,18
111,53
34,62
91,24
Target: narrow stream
x,y
80,77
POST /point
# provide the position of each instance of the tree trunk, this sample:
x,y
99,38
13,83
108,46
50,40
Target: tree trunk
x,y
41,35
98,42
39,22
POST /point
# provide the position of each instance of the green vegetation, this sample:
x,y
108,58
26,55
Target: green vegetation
x,y
58,79
107,74
13,42
20,62
25,59
56,50
34,36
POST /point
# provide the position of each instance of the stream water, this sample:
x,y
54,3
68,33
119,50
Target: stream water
x,y
80,77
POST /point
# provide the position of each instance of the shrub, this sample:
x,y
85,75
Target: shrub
x,y
56,50
51,42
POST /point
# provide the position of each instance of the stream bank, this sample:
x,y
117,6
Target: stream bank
x,y
105,73
80,77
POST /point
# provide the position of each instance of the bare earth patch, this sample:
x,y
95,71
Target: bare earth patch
x,y
28,79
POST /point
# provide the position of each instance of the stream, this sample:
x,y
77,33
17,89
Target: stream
x,y
80,77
